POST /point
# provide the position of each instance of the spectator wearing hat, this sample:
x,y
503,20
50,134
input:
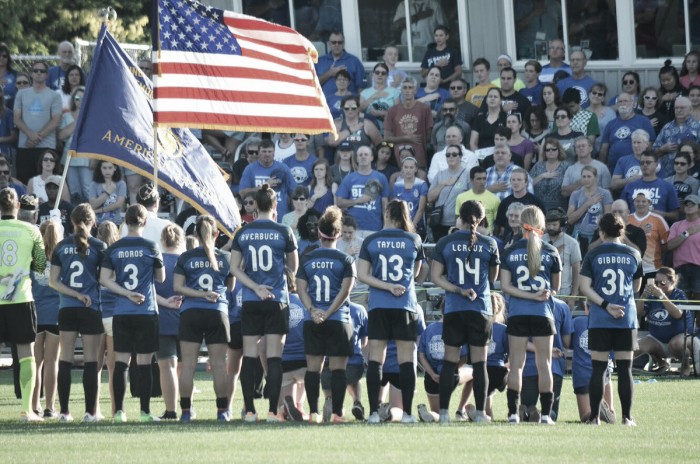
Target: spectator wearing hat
x,y
28,209
344,162
663,196
582,120
655,228
684,242
48,209
148,196
47,166
505,61
6,178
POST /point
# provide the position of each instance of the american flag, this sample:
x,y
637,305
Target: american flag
x,y
216,69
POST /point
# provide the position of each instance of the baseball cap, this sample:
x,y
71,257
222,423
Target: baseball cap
x,y
692,198
148,193
28,203
645,193
345,145
55,180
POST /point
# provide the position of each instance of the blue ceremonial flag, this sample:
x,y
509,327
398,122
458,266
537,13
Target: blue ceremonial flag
x,y
115,124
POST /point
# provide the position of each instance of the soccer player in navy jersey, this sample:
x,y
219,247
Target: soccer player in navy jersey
x,y
324,280
465,263
203,277
530,274
74,269
389,261
264,247
611,274
129,269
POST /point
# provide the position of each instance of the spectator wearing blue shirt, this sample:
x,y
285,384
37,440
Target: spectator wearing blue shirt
x,y
336,60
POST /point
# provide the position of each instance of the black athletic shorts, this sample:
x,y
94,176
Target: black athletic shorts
x,y
392,378
498,378
466,328
204,324
392,324
52,329
82,320
433,388
531,326
330,338
289,366
135,334
612,339
236,342
18,323
264,317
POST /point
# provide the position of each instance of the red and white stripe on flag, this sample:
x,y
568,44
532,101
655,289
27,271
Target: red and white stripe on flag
x,y
258,78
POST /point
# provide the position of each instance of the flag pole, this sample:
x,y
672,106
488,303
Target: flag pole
x,y
155,155
63,179
157,66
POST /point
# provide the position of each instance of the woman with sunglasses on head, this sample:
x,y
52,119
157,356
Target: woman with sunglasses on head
x,y
464,266
650,102
353,127
385,161
611,274
390,259
375,101
531,274
80,174
47,166
259,254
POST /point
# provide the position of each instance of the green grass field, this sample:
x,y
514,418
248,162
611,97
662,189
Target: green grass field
x,y
667,412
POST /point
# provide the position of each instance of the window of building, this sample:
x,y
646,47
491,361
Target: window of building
x,y
660,30
314,19
386,22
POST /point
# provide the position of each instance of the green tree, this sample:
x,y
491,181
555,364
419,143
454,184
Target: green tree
x,y
36,27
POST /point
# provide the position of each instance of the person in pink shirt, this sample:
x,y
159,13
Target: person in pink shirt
x,y
684,242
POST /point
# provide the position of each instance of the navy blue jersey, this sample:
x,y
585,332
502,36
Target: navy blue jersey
x,y
324,270
235,303
662,325
467,267
612,268
133,260
515,260
432,346
358,313
81,273
392,254
194,265
498,346
169,318
108,299
563,324
46,298
294,343
264,245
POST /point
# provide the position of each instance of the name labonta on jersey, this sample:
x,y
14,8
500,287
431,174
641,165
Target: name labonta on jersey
x,y
201,264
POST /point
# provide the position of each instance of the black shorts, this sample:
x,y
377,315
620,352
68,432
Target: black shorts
x,y
168,347
466,328
289,366
531,326
18,323
498,378
353,374
135,334
204,324
392,378
433,388
392,324
236,342
52,329
612,340
264,317
331,338
83,320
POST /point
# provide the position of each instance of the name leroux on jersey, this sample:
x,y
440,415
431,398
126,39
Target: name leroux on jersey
x,y
466,247
385,244
130,254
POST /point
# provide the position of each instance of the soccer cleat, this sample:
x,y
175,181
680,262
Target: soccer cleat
x,y
408,419
90,418
606,414
424,415
384,412
358,411
336,419
30,417
327,409
186,416
250,418
120,416
50,414
513,419
291,409
444,416
533,414
478,417
545,419
147,417
460,416
223,416
629,422
373,418
169,415
65,417
593,421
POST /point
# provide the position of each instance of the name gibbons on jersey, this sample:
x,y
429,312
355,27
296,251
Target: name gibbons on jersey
x,y
130,254
203,264
614,260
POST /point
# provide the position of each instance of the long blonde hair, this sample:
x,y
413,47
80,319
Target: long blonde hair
x,y
532,221
206,229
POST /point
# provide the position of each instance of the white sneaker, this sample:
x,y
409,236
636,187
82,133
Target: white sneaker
x,y
513,419
545,419
90,418
424,415
408,419
373,418
384,412
250,418
65,418
479,417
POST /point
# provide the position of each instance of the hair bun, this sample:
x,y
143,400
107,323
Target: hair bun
x,y
667,63
264,187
